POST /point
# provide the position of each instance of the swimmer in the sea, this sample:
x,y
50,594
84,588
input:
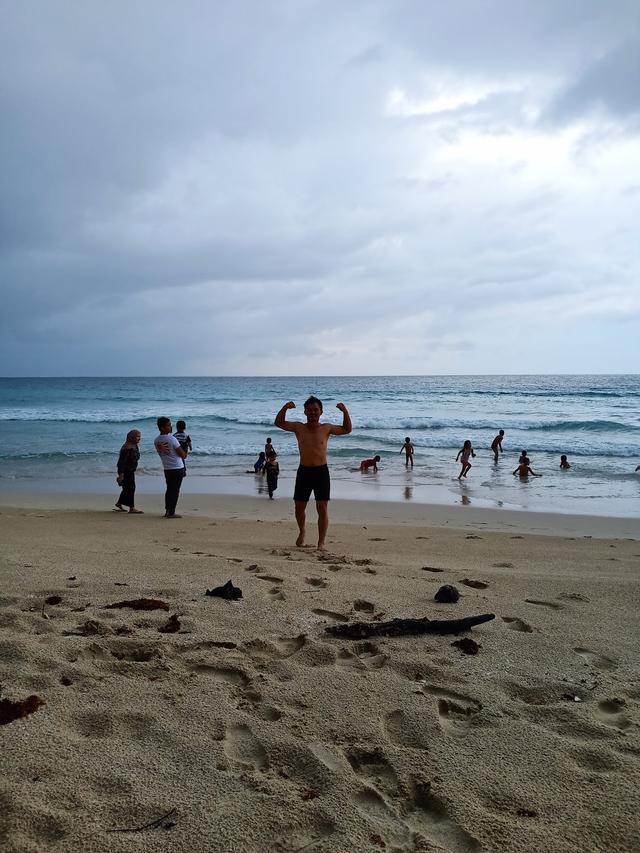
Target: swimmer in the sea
x,y
524,469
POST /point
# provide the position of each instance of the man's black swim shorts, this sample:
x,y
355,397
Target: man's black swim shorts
x,y
312,478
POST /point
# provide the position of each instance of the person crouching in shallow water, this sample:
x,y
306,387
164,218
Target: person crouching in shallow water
x,y
313,472
564,462
369,463
127,465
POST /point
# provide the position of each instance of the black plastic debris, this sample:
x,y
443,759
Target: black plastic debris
x,y
228,591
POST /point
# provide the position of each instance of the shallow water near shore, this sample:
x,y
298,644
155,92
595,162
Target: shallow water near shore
x,y
63,429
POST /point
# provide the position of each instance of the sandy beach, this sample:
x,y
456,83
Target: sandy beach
x,y
249,728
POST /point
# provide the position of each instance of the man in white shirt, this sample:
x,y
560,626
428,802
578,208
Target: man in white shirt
x,y
172,457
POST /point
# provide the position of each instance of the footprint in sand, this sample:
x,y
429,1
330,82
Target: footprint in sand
x,y
241,746
377,539
573,596
227,675
455,710
320,583
277,594
474,584
283,647
473,536
430,816
504,565
363,606
407,729
372,764
594,659
431,569
515,624
365,655
270,578
598,760
331,615
94,725
254,567
550,604
609,711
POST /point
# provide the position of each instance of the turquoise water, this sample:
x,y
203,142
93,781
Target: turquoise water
x,y
51,429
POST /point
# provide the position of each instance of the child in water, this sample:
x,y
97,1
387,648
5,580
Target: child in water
x,y
407,448
524,469
564,464
463,455
258,466
496,445
369,463
272,470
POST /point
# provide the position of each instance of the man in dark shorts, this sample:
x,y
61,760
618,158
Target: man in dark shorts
x,y
313,472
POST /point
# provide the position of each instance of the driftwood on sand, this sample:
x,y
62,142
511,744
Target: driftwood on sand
x,y
407,627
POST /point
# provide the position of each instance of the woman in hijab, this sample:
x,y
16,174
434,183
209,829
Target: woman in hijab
x,y
126,479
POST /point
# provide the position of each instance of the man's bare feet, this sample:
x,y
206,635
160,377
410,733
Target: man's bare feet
x,y
137,511
171,515
119,508
321,547
300,540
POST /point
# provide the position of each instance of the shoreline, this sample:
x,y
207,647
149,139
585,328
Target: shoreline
x,y
342,512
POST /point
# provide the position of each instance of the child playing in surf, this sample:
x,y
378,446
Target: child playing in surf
x,y
524,469
463,455
408,449
496,445
564,463
369,463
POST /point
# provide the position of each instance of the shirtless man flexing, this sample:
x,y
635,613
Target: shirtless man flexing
x,y
313,472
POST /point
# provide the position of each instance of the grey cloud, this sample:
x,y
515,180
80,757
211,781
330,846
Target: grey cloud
x,y
610,84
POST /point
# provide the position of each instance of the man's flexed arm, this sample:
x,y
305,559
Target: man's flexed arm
x,y
281,418
346,427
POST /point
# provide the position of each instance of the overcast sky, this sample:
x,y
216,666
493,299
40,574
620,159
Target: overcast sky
x,y
336,187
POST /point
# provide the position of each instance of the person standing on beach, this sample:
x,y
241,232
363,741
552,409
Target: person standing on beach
x,y
313,472
127,465
172,457
407,448
496,445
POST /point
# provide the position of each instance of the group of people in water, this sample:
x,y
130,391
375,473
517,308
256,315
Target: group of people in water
x,y
312,475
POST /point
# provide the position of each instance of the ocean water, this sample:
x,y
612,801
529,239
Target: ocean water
x,y
55,429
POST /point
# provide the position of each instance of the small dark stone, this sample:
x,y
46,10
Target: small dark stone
x,y
66,681
53,599
467,645
228,591
447,594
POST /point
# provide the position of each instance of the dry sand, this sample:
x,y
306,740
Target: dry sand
x,y
262,733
